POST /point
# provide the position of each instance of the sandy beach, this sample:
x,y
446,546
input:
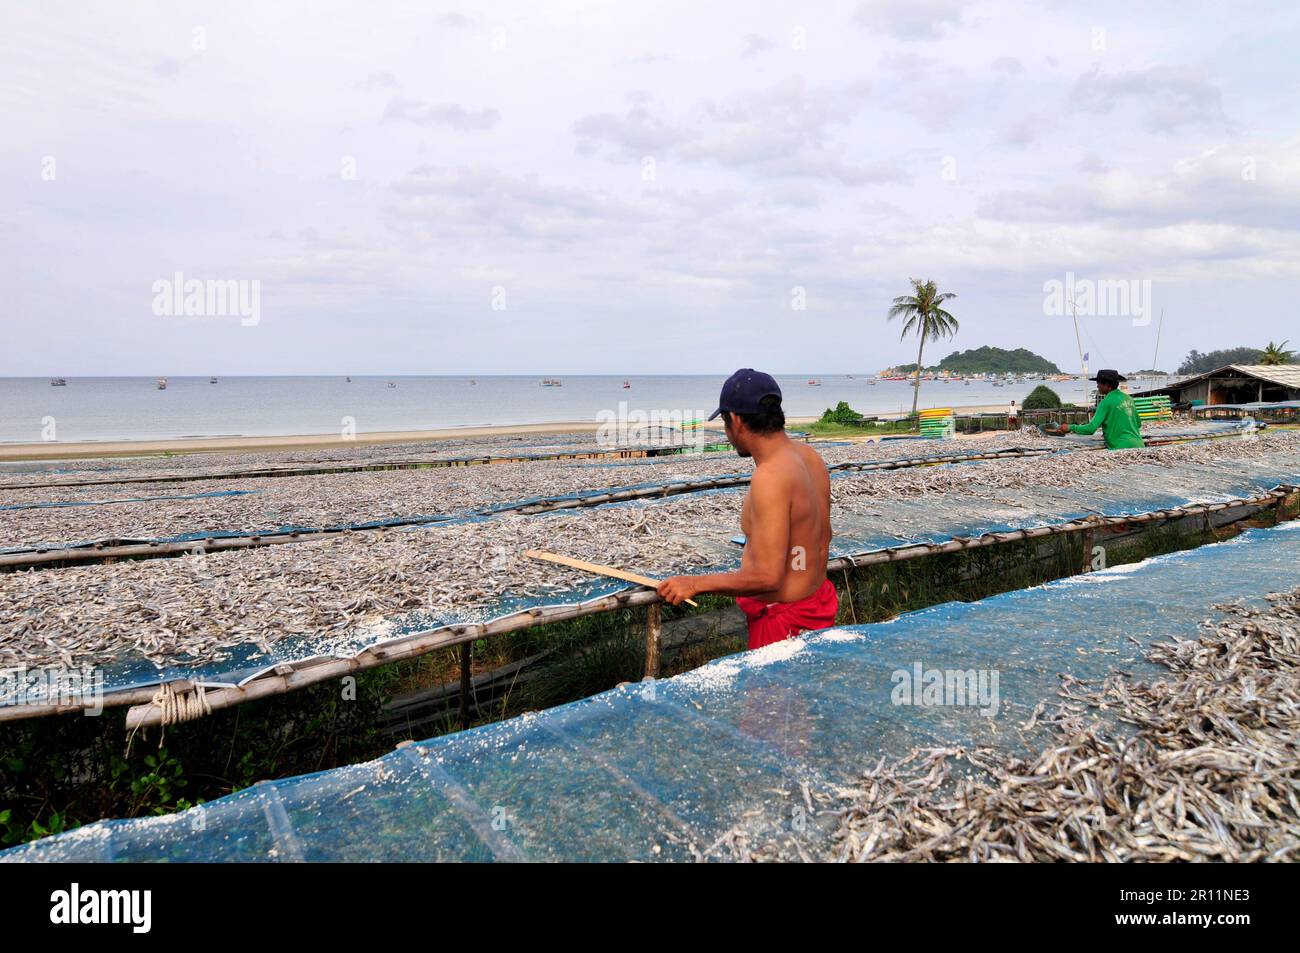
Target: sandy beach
x,y
78,450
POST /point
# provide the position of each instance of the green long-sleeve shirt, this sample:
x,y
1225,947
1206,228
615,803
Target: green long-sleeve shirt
x,y
1117,417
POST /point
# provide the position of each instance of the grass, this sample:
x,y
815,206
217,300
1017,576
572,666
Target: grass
x,y
876,428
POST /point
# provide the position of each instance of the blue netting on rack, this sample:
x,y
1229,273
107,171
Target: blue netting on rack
x,y
657,770
957,454
684,483
881,523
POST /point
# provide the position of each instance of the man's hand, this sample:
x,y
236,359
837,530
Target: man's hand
x,y
1060,430
675,589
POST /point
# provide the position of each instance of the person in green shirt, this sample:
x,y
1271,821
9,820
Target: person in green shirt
x,y
1116,415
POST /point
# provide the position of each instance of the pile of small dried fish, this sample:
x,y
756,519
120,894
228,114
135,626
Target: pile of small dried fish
x,y
205,463
1212,772
1089,470
194,607
335,499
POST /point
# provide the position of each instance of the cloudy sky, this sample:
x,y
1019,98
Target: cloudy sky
x,y
635,187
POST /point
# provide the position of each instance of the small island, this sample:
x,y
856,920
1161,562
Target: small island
x,y
989,360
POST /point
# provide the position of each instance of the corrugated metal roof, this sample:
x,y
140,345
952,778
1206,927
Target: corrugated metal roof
x,y
1286,375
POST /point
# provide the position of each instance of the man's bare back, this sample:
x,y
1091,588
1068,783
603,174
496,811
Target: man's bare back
x,y
797,480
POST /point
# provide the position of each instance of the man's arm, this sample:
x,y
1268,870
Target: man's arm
x,y
763,566
1098,419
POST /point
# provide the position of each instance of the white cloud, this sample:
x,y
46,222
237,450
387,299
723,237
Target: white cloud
x,y
441,114
1170,98
909,19
987,145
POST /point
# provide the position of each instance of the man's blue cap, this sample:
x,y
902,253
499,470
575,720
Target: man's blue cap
x,y
744,390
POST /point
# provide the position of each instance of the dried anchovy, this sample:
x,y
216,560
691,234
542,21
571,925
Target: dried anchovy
x,y
1092,471
193,607
1212,773
328,500
362,584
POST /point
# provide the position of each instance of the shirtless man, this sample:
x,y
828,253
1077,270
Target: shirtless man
x,y
781,584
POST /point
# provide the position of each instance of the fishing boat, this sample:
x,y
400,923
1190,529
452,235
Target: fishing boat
x,y
162,383
813,382
212,380
58,382
552,382
348,379
392,384
627,385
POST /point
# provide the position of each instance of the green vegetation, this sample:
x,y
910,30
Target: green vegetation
x,y
990,360
1275,354
996,360
869,427
843,420
1198,363
925,318
842,414
1042,397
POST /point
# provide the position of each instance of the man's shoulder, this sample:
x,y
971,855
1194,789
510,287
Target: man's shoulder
x,y
785,468
808,456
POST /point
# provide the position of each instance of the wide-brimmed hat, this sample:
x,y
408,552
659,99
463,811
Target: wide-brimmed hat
x,y
1108,376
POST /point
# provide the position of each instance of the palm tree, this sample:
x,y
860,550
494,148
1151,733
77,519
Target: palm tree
x,y
1275,354
926,318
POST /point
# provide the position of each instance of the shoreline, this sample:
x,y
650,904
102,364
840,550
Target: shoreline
x,y
89,449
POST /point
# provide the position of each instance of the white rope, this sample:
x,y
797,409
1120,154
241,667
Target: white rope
x,y
176,707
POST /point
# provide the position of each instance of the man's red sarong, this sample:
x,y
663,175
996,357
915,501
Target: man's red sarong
x,y
776,621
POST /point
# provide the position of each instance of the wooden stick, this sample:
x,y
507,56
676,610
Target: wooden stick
x,y
653,632
598,569
466,681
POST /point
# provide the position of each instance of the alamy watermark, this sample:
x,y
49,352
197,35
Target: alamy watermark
x,y
1106,298
76,905
937,687
212,298
673,428
54,685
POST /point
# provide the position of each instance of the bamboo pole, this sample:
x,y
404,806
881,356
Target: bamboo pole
x,y
598,569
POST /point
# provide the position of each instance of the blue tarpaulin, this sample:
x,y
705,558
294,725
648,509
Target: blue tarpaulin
x,y
659,770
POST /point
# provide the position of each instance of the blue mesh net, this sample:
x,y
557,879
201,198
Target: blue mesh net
x,y
658,770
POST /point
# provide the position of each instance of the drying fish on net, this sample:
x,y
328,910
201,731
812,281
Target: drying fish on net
x,y
194,607
207,463
1074,470
268,504
1209,772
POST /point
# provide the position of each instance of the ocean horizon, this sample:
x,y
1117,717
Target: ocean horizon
x,y
134,408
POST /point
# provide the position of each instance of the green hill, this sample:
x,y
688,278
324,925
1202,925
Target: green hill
x,y
992,360
1198,363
